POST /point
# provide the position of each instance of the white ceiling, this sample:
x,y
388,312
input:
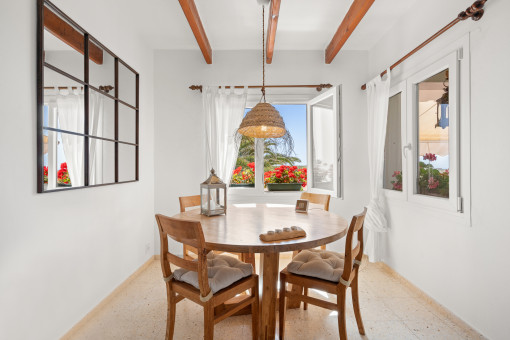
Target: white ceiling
x,y
237,24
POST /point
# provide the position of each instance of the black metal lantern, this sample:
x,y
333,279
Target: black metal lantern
x,y
213,196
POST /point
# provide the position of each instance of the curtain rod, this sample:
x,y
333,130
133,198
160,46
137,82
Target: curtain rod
x,y
475,12
106,88
319,87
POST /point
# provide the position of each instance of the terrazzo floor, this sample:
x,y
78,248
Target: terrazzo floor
x,y
390,308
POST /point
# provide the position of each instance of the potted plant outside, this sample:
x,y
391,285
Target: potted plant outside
x,y
285,178
243,178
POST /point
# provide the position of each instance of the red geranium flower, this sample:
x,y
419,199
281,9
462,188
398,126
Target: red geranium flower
x,y
430,156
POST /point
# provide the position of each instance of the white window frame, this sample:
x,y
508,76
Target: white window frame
x,y
337,191
461,213
258,193
451,63
402,89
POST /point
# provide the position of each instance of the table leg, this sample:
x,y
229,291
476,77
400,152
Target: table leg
x,y
269,280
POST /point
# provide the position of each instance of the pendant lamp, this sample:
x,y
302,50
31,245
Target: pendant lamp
x,y
263,121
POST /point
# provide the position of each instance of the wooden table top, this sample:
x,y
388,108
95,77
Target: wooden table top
x,y
239,230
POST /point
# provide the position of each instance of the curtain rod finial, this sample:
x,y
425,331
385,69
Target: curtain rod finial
x,y
196,87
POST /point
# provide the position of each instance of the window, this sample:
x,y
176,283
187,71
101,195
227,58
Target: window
x,y
393,175
275,154
432,127
324,143
315,129
433,156
87,108
422,150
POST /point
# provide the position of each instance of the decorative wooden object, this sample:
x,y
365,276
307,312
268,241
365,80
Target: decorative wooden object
x,y
65,32
274,12
353,17
349,278
190,11
191,233
475,12
239,231
194,202
282,234
318,87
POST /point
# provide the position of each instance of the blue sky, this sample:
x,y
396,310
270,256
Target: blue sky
x,y
294,117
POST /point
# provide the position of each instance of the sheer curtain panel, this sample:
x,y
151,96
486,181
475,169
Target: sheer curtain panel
x,y
375,221
70,117
223,113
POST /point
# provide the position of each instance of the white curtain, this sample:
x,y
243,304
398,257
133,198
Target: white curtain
x,y
52,143
375,220
223,111
96,109
70,106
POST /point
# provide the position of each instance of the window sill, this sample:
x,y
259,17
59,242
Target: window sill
x,y
445,213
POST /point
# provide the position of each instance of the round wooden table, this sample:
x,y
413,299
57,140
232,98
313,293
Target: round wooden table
x,y
238,231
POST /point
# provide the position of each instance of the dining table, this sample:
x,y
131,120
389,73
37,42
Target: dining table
x,y
239,229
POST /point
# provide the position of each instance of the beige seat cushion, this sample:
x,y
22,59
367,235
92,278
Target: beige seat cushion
x,y
322,264
223,270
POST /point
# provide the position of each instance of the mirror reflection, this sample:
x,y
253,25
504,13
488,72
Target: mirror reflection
x,y
127,85
68,125
127,162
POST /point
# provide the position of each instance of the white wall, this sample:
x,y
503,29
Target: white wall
x,y
180,156
463,268
62,253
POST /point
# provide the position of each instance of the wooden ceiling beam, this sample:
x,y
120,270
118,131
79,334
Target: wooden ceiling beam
x,y
274,12
353,17
69,35
191,13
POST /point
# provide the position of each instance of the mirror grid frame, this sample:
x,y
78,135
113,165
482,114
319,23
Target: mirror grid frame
x,y
42,64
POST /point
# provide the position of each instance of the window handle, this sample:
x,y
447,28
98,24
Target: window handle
x,y
405,148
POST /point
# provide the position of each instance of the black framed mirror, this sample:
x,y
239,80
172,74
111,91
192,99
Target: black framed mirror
x,y
87,108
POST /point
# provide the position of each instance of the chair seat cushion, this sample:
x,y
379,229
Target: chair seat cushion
x,y
322,264
223,270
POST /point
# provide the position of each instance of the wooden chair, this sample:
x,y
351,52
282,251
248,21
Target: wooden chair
x,y
349,278
322,199
194,201
190,232
189,202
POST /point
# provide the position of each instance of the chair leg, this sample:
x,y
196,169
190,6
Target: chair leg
x,y
340,299
208,321
248,258
305,293
282,307
355,304
170,318
255,312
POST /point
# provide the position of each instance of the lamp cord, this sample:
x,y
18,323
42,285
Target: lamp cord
x,y
263,57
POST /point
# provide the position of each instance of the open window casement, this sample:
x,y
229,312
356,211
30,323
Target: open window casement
x,y
324,143
395,175
432,154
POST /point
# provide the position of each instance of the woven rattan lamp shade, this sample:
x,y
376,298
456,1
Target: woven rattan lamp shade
x,y
263,121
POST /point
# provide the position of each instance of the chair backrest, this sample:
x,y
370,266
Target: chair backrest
x,y
354,253
186,232
317,199
189,202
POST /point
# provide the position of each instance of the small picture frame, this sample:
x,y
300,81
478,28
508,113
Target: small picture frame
x,y
302,206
